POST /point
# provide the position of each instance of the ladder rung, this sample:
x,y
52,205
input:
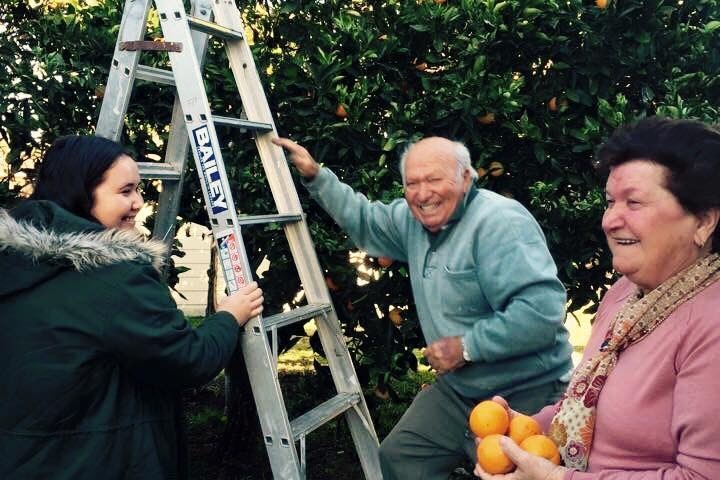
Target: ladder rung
x,y
158,171
213,29
151,46
274,218
157,75
242,123
323,413
296,315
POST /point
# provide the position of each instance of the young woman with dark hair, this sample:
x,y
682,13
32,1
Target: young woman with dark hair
x,y
94,349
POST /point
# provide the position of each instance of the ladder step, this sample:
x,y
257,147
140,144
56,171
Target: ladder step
x,y
296,315
213,29
323,413
157,75
165,77
273,218
151,46
242,123
158,171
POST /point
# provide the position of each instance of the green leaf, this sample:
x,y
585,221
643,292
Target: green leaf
x,y
499,7
712,26
389,144
418,27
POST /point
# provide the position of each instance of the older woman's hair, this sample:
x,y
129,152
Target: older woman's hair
x,y
460,152
689,149
72,168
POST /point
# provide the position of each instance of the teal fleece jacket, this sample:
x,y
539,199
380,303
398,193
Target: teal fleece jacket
x,y
94,352
487,276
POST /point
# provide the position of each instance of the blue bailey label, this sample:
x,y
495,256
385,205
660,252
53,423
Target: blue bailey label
x,y
210,173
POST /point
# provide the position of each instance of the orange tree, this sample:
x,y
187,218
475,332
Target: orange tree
x,y
532,85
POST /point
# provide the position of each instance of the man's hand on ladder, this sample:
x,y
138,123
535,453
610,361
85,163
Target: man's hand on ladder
x,y
300,157
244,304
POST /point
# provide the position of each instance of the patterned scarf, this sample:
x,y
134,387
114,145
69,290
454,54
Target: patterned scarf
x,y
573,424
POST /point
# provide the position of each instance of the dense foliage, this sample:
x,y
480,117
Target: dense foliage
x,y
533,85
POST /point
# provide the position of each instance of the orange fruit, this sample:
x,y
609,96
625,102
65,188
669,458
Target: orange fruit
x,y
491,457
332,286
395,317
382,393
421,67
552,104
385,262
523,426
340,111
601,4
541,446
487,119
496,169
481,172
488,418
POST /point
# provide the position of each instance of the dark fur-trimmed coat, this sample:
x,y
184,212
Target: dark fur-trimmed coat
x,y
93,351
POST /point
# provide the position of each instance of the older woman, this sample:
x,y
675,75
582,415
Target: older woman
x,y
643,402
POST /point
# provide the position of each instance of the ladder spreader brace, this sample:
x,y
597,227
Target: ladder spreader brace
x,y
193,124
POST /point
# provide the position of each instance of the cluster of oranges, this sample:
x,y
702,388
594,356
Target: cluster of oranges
x,y
490,421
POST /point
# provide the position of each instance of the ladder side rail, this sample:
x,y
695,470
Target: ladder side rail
x,y
339,359
255,105
122,70
169,200
273,158
221,210
281,183
178,143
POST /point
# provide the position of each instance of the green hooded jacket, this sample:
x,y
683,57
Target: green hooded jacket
x,y
94,351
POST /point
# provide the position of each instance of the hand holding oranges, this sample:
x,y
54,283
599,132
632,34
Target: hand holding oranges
x,y
492,421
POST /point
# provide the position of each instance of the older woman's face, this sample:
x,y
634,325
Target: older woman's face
x,y
649,234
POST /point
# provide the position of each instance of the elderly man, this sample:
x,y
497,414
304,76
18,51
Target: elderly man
x,y
489,302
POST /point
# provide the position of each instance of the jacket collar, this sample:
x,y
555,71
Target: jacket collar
x,y
46,233
461,208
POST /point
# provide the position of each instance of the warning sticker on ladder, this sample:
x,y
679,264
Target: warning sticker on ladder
x,y
231,260
209,167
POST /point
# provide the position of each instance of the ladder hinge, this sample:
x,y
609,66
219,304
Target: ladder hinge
x,y
152,46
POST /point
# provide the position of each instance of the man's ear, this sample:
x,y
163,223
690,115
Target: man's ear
x,y
467,180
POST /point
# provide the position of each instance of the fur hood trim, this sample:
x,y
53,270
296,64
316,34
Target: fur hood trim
x,y
84,250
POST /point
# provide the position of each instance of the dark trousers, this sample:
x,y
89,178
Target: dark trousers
x,y
432,437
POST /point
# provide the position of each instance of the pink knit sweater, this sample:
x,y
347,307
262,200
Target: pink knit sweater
x,y
658,415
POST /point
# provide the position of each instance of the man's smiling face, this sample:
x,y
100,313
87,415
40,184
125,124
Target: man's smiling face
x,y
435,184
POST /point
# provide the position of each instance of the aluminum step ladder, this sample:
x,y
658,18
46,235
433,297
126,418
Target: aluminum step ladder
x,y
193,126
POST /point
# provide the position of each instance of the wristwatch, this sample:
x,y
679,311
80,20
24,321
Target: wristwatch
x,y
465,354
